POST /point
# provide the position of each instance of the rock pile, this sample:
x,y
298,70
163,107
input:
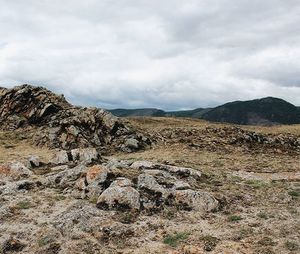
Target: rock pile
x,y
58,124
150,186
114,185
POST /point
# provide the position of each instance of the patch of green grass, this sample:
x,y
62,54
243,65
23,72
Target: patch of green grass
x,y
59,197
243,233
174,240
93,199
294,194
218,163
235,218
24,204
128,217
256,184
44,241
292,245
263,215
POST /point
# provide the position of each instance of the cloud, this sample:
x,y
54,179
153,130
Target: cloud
x,y
170,54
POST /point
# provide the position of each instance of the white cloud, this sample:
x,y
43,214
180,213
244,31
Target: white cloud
x,y
169,54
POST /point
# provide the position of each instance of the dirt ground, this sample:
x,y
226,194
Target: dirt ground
x,y
258,189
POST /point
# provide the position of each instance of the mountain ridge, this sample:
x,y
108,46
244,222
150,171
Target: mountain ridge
x,y
263,111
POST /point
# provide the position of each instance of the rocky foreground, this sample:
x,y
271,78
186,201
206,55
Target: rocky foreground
x,y
102,202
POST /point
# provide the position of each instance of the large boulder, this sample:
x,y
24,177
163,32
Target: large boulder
x,y
65,178
120,196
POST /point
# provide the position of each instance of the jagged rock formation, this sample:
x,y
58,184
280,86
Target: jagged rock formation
x,y
58,124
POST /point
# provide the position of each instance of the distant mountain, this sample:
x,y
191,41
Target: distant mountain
x,y
195,113
137,112
265,111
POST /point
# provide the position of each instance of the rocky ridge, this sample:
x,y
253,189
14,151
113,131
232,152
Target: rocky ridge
x,y
229,137
55,123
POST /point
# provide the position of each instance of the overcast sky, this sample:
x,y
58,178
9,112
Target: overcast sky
x,y
170,54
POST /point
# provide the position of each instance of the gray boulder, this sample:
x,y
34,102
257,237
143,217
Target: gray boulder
x,y
117,197
195,200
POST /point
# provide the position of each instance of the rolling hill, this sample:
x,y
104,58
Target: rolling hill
x,y
265,111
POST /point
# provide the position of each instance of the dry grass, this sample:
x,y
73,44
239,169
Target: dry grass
x,y
14,146
157,123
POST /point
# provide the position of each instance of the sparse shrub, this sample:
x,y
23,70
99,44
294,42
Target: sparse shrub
x,y
44,241
169,213
294,194
218,163
291,245
256,184
266,241
59,197
174,240
243,233
235,218
263,215
93,199
24,204
128,217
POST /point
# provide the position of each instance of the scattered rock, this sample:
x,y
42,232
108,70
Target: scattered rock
x,y
65,178
33,161
195,200
132,143
60,157
86,155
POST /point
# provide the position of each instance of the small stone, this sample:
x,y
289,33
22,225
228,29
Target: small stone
x,y
195,200
33,161
143,165
86,155
181,185
132,143
60,157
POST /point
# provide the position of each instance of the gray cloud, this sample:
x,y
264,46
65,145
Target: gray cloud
x,y
138,53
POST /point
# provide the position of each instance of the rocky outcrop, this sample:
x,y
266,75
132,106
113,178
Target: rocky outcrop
x,y
228,137
58,124
155,187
